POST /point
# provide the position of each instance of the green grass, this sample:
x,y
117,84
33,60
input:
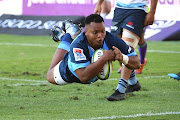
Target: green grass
x,y
24,95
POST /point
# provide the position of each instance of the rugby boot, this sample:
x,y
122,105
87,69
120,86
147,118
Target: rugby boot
x,y
116,96
73,29
175,76
132,88
57,33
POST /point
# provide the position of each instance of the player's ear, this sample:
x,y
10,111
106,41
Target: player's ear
x,y
85,30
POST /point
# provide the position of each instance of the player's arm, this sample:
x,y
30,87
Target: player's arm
x,y
89,72
97,9
131,62
149,19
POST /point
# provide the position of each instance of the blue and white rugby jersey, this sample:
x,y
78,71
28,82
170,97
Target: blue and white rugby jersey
x,y
81,52
132,4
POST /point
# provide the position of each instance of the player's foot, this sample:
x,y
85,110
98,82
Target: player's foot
x,y
132,88
72,29
57,33
116,96
139,71
119,71
175,76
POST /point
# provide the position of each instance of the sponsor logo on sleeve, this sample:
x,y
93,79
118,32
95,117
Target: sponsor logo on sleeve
x,y
78,54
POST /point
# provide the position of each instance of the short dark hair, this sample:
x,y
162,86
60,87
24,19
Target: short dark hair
x,y
93,18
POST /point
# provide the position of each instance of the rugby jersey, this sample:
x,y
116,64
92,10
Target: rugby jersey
x,y
80,54
132,4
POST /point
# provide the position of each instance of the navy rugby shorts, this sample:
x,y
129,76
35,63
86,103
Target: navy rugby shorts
x,y
130,19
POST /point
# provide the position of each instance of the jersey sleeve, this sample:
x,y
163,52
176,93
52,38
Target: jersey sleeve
x,y
78,57
113,40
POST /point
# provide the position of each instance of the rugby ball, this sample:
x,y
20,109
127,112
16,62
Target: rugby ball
x,y
107,69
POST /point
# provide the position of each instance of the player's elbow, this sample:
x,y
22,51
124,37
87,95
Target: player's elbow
x,y
84,79
83,76
134,63
138,65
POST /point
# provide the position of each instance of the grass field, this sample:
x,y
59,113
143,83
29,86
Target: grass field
x,y
26,95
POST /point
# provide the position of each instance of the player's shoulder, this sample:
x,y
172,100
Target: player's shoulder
x,y
79,39
110,35
79,42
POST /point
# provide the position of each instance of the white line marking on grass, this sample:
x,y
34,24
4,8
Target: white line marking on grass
x,y
161,51
130,116
28,80
51,45
22,84
44,81
146,77
29,44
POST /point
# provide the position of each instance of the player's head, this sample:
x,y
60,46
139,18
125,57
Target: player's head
x,y
95,30
93,18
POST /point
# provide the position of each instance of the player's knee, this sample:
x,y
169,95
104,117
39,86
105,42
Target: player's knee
x,y
108,10
50,77
130,39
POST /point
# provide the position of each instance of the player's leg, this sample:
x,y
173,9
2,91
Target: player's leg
x,y
62,49
142,47
71,30
132,25
132,40
106,8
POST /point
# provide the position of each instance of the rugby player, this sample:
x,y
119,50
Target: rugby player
x,y
129,19
71,62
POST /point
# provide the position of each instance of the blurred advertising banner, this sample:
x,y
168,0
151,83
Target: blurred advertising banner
x,y
165,27
161,30
33,25
41,25
58,7
168,10
11,7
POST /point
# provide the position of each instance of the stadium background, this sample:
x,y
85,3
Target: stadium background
x,y
24,61
165,27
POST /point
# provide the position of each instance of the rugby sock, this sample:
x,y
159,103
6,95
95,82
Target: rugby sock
x,y
122,85
66,41
67,38
132,79
142,52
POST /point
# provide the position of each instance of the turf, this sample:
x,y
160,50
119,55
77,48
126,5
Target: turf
x,y
25,93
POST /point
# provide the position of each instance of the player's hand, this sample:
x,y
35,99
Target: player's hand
x,y
118,54
149,19
97,9
109,55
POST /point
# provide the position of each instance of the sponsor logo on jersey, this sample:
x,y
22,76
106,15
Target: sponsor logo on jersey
x,y
129,50
78,54
130,25
114,28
